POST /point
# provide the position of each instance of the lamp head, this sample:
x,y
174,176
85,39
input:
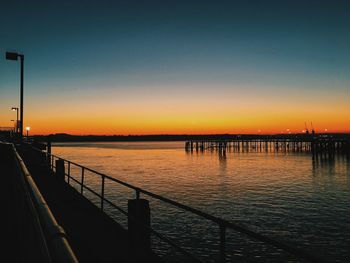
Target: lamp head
x,y
12,56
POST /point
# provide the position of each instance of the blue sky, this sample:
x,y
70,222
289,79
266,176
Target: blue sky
x,y
88,50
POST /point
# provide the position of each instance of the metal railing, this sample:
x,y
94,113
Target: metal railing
x,y
60,250
222,224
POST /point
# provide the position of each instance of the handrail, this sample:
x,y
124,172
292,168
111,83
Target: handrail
x,y
222,223
39,245
61,251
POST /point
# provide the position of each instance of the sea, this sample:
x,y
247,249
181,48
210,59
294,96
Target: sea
x,y
290,197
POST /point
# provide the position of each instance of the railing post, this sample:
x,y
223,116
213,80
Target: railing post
x,y
139,228
48,151
222,243
68,179
102,191
82,180
60,169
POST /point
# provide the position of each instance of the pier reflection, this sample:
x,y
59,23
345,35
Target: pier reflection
x,y
223,160
330,163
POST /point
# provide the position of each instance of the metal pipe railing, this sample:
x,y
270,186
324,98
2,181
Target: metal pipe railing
x,y
222,224
60,250
25,218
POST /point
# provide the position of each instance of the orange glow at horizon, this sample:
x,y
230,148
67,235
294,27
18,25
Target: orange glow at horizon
x,y
169,121
170,111
140,129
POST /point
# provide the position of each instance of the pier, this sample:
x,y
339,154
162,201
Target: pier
x,y
319,146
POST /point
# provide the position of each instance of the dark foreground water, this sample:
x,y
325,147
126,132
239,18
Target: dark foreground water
x,y
286,196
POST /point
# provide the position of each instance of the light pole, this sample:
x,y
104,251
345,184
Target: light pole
x,y
16,109
27,129
14,126
14,56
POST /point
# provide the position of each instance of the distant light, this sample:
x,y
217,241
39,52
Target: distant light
x,y
288,130
259,130
303,131
325,130
27,128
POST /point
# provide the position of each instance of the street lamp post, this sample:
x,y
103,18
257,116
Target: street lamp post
x,y
27,129
16,109
14,56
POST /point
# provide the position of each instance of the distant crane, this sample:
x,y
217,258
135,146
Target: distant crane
x,y
312,127
306,129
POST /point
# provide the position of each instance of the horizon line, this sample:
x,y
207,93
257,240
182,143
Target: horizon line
x,y
187,134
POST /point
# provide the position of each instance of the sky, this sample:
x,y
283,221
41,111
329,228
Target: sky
x,y
177,67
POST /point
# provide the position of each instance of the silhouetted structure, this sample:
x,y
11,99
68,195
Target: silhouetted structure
x,y
15,56
321,145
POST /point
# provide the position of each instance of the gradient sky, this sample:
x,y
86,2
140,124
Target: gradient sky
x,y
156,67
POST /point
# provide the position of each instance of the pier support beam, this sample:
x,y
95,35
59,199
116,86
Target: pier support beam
x,y
139,227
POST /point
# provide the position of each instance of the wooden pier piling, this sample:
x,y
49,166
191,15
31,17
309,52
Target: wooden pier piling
x,y
316,145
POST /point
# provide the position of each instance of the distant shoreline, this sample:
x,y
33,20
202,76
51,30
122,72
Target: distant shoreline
x,y
181,137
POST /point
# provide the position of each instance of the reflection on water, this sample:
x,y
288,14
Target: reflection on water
x,y
289,196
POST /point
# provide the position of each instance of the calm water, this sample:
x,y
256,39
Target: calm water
x,y
287,196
